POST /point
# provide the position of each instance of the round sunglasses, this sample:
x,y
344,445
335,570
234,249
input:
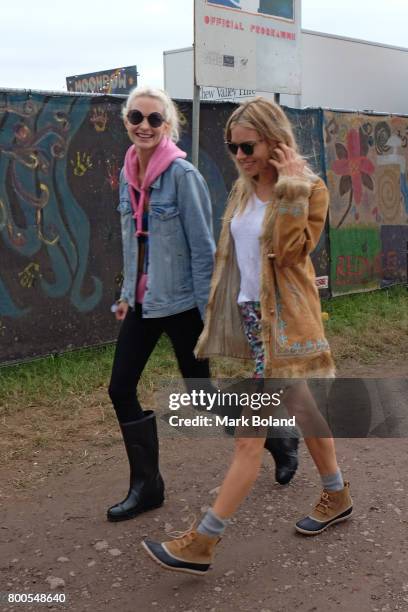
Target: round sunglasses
x,y
135,117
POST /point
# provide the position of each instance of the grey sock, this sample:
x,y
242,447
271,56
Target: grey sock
x,y
211,524
333,482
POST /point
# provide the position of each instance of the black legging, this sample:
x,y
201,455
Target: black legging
x,y
136,341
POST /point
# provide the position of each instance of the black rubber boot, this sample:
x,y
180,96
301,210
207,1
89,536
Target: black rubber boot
x,y
146,489
284,452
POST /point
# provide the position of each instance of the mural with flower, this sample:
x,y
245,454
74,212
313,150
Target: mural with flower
x,y
60,156
355,169
366,161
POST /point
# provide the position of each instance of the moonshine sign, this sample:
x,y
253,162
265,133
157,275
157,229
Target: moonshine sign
x,y
113,81
252,44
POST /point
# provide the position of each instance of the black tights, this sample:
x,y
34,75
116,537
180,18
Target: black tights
x,y
136,341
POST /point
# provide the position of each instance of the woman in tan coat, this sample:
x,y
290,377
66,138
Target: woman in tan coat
x,y
264,305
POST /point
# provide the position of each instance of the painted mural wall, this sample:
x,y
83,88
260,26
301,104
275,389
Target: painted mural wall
x,y
366,160
60,249
59,257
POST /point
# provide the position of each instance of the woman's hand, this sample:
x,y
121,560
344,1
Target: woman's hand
x,y
288,162
121,310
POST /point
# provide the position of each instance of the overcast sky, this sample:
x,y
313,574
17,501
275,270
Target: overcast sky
x,y
43,42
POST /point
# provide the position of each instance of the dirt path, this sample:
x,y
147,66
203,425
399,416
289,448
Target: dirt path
x,y
57,529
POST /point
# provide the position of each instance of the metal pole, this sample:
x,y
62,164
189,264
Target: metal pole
x,y
196,124
276,98
195,128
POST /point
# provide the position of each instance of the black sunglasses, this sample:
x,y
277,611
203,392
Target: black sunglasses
x,y
136,116
246,147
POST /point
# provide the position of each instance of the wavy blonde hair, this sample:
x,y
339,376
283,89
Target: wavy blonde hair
x,y
272,125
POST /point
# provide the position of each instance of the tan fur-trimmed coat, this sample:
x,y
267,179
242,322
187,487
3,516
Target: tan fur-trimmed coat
x,y
292,330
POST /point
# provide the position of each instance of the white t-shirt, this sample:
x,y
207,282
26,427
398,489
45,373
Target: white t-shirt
x,y
246,229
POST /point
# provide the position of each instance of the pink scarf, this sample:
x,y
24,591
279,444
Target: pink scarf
x,y
164,155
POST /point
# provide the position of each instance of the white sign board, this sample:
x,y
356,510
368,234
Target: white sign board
x,y
252,44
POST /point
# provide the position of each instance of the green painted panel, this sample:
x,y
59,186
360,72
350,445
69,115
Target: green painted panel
x,y
356,259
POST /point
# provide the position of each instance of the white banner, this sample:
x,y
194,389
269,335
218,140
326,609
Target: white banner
x,y
252,44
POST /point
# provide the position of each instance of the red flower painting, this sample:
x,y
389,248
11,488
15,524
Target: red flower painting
x,y
354,168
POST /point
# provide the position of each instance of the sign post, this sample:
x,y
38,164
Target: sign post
x,y
196,126
248,44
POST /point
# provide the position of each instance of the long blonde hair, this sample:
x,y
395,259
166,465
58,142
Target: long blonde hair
x,y
271,123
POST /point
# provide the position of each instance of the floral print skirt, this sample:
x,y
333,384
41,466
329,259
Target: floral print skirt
x,y
251,318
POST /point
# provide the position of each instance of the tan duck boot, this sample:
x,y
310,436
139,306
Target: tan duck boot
x,y
332,507
192,553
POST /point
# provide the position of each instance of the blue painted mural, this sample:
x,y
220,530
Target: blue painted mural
x,y
40,215
60,249
48,275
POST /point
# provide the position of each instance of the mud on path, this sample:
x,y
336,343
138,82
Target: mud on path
x,y
56,528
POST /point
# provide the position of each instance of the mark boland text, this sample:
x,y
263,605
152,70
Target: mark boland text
x,y
254,420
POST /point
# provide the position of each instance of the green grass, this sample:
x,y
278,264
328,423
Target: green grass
x,y
56,411
364,326
67,373
77,373
362,311
369,327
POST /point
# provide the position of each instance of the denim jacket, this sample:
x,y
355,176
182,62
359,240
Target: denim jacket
x,y
181,243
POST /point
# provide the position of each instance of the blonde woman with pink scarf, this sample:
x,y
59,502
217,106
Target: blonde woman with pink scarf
x,y
168,251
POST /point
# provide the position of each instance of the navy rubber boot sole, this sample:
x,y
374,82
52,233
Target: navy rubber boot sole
x,y
309,526
159,554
